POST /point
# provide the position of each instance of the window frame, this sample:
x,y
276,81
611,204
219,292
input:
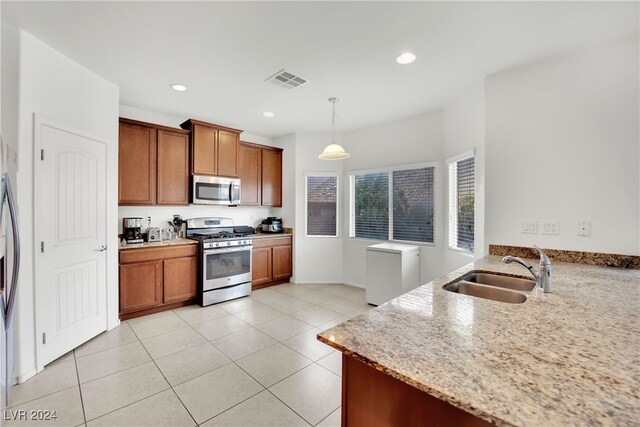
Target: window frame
x,y
390,170
306,203
462,156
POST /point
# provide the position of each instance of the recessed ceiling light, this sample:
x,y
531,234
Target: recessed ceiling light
x,y
268,114
179,88
406,58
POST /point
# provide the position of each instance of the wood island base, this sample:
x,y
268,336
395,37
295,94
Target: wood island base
x,y
372,398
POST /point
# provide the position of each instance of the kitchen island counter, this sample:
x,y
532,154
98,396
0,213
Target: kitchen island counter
x,y
570,358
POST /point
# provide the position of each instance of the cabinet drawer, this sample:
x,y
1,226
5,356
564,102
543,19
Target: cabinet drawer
x,y
268,242
149,254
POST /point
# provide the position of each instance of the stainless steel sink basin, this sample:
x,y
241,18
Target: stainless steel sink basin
x,y
486,292
506,282
495,287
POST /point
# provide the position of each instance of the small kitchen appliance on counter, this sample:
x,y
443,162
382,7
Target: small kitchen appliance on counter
x,y
225,259
271,225
131,230
154,235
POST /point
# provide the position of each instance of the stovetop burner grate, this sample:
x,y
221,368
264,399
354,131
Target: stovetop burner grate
x,y
218,235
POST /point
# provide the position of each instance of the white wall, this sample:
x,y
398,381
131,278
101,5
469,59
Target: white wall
x,y
287,212
317,259
58,88
464,131
562,144
417,139
241,215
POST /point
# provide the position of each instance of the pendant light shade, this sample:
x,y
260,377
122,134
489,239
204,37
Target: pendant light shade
x,y
333,151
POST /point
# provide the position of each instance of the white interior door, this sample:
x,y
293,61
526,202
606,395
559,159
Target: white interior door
x,y
71,238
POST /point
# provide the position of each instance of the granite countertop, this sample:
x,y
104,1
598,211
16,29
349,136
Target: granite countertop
x,y
268,235
571,358
175,242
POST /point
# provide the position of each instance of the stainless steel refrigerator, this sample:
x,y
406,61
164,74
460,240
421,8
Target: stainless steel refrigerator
x,y
9,266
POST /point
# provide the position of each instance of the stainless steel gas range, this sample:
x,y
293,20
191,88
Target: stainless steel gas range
x,y
225,259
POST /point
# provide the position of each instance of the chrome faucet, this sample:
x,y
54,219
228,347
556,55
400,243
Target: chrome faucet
x,y
542,276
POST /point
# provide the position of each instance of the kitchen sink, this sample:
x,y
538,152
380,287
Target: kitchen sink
x,y
506,282
495,287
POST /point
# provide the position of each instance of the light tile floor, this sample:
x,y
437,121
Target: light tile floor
x,y
248,362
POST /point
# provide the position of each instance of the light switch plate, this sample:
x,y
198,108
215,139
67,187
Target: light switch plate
x,y
550,227
529,226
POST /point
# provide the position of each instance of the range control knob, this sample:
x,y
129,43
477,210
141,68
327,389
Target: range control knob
x,y
217,243
228,243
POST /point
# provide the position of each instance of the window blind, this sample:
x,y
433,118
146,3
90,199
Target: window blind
x,y
462,204
413,204
371,205
322,205
393,205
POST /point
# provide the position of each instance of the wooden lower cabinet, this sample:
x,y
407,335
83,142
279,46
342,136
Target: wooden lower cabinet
x,y
261,266
180,278
271,261
158,278
140,286
373,398
281,262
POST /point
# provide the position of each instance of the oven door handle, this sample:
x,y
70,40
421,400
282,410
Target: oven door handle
x,y
226,250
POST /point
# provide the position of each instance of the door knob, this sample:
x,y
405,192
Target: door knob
x,y
101,248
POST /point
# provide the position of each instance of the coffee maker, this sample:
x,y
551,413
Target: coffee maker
x,y
131,230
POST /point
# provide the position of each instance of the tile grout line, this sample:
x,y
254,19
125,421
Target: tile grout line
x,y
75,363
165,378
239,367
264,388
231,360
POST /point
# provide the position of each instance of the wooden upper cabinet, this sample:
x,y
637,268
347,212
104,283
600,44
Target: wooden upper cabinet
x,y
272,177
260,172
228,143
250,173
173,168
214,149
153,164
204,159
136,164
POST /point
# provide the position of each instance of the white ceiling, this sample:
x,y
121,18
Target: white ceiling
x,y
223,51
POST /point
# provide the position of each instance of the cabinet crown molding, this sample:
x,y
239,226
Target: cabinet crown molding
x,y
188,124
153,125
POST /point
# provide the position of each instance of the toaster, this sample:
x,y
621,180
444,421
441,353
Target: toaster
x,y
154,235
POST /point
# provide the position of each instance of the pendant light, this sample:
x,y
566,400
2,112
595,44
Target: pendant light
x,y
333,151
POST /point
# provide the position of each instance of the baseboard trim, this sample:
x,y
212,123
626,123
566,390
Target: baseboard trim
x,y
355,285
318,282
24,377
325,282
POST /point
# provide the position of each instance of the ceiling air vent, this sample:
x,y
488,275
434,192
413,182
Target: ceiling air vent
x,y
286,79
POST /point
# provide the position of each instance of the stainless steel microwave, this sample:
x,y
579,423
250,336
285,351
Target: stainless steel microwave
x,y
215,190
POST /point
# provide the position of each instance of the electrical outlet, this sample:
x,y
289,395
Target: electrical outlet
x,y
529,226
584,228
550,227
